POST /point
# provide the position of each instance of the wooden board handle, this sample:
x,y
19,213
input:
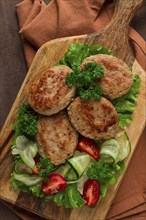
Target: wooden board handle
x,y
123,13
118,27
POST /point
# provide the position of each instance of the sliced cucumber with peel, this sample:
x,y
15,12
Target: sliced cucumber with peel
x,y
21,167
115,149
63,170
110,149
79,163
74,167
27,179
71,175
106,158
125,146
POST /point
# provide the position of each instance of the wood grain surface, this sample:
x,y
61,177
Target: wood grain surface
x,y
115,37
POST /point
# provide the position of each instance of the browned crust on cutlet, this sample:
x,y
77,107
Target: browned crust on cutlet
x,y
94,119
57,137
50,94
117,79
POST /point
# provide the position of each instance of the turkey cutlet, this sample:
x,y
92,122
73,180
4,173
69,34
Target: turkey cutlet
x,y
57,138
93,119
117,79
50,94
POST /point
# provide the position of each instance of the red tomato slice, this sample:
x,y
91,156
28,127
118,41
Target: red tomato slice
x,y
56,184
88,146
91,192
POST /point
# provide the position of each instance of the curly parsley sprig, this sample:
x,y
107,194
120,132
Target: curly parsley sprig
x,y
84,81
26,122
44,168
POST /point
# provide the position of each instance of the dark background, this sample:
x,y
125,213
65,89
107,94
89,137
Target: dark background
x,y
13,66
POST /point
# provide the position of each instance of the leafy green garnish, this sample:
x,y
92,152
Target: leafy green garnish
x,y
44,167
19,185
83,80
26,122
120,166
69,198
78,52
103,190
35,190
105,173
125,104
91,93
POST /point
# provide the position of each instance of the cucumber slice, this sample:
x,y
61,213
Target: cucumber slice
x,y
63,170
106,158
21,167
81,182
117,149
71,175
110,148
21,142
28,180
125,146
68,172
79,163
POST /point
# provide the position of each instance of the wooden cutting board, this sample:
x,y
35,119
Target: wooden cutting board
x,y
115,37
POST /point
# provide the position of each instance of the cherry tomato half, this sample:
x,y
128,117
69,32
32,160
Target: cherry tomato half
x,y
91,192
88,146
55,184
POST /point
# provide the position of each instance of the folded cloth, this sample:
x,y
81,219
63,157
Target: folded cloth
x,y
59,19
40,23
135,212
27,11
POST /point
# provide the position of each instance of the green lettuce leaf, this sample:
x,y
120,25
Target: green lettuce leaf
x,y
69,198
78,52
19,185
36,190
125,104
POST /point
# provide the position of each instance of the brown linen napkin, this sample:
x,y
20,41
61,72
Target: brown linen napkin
x,y
59,19
51,21
27,11
46,22
132,212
